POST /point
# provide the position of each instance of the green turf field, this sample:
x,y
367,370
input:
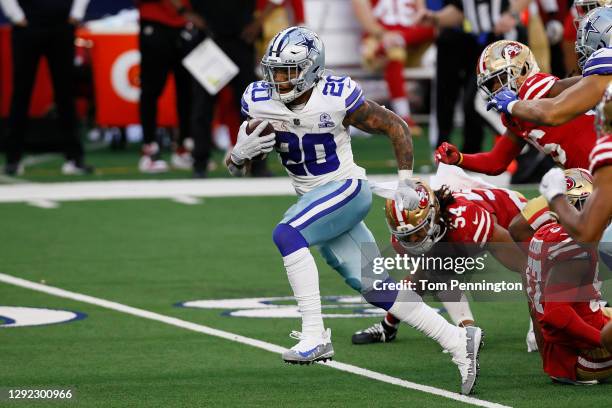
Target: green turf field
x,y
152,254
374,153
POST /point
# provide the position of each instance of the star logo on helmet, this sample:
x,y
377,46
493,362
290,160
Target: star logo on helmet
x,y
309,43
589,27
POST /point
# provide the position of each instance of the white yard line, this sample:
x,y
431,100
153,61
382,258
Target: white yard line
x,y
173,321
157,189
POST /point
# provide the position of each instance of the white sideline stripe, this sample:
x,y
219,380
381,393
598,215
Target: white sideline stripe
x,y
173,321
169,189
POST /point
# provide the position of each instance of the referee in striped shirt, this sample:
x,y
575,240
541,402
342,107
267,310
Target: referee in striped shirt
x,y
482,22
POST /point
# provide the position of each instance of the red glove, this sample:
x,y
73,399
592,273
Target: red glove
x,y
447,153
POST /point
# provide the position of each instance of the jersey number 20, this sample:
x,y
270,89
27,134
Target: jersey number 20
x,y
298,159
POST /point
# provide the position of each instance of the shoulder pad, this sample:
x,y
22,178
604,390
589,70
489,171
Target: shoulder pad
x,y
599,63
256,92
601,155
470,223
537,86
345,92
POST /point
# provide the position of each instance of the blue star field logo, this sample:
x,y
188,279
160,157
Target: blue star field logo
x,y
590,28
309,43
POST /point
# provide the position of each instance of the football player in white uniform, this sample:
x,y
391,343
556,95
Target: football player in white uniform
x,y
311,113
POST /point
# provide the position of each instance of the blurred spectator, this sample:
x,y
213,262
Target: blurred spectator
x,y
538,40
391,41
458,54
166,37
101,8
570,60
44,28
553,14
233,26
277,15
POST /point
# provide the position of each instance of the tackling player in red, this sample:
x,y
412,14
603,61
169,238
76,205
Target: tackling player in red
x,y
471,219
511,64
563,287
590,225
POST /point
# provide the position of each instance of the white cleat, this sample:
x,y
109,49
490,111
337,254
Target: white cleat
x,y
146,164
532,344
310,348
182,160
466,357
72,168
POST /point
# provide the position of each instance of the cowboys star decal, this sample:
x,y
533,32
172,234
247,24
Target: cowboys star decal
x,y
309,43
590,28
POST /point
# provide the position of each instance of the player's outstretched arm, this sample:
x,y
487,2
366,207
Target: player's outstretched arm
x,y
574,101
506,251
492,163
588,225
520,231
373,118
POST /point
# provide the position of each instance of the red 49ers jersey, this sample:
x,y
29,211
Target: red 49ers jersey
x,y
560,352
550,245
601,155
394,14
470,218
569,144
473,215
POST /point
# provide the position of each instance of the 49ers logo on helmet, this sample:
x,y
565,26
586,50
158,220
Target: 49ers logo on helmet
x,y
423,196
511,50
569,183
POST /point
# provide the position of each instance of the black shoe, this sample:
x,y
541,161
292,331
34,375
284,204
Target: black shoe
x,y
378,333
199,174
76,167
13,169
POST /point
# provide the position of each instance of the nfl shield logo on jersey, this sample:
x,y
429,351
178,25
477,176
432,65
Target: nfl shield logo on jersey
x,y
326,121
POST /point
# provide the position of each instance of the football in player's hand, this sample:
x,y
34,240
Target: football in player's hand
x,y
606,336
251,125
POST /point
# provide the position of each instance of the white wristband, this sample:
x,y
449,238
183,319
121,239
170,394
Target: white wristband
x,y
404,174
510,106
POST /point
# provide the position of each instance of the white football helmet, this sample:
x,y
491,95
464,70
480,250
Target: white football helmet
x,y
593,33
584,6
295,56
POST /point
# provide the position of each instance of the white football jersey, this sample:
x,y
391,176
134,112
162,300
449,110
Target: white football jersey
x,y
313,144
599,63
